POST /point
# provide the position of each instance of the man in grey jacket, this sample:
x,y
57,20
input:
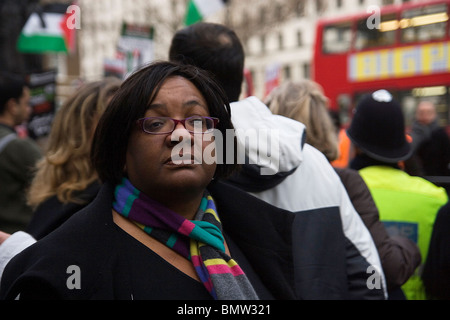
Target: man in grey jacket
x,y
17,155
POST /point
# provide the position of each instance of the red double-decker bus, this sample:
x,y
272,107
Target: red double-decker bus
x,y
402,48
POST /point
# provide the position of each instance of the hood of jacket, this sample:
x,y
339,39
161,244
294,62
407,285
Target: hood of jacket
x,y
270,147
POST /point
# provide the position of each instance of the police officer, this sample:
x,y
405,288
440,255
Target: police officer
x,y
407,205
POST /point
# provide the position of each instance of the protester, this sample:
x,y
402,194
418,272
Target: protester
x,y
64,180
431,143
17,155
407,205
305,101
157,223
436,271
296,177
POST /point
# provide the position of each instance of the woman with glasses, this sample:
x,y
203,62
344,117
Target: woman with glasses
x,y
165,224
155,230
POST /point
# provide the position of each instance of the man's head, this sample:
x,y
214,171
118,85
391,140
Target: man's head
x,y
215,48
426,112
14,100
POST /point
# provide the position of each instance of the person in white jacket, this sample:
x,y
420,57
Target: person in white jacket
x,y
296,177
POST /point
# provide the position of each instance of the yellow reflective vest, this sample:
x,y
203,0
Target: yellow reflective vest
x,y
408,206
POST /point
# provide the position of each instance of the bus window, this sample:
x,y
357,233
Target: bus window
x,y
424,24
383,35
337,38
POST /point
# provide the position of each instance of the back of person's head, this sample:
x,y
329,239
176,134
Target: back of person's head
x,y
66,166
378,128
11,87
305,101
215,48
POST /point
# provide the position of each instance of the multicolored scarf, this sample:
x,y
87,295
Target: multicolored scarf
x,y
199,240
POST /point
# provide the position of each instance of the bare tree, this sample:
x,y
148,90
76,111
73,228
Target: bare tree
x,y
255,17
248,18
167,24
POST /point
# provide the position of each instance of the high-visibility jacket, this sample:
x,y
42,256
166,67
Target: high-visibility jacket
x,y
408,206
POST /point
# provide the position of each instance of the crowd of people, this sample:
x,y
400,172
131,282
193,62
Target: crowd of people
x,y
110,197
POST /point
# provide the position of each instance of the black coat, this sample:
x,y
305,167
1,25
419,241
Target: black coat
x,y
434,154
50,214
296,256
436,271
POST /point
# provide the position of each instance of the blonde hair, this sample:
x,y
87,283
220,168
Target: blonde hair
x,y
66,167
305,101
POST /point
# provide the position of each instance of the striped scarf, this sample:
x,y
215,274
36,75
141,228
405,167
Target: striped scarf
x,y
199,240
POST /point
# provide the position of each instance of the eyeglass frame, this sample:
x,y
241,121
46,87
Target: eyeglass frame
x,y
141,121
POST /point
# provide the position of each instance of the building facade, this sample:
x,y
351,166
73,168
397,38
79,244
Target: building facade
x,y
287,47
278,35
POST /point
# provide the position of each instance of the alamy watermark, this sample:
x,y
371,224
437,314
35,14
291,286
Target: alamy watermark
x,y
73,281
74,19
374,279
256,147
374,20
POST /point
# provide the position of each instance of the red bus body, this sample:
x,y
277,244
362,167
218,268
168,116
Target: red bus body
x,y
397,66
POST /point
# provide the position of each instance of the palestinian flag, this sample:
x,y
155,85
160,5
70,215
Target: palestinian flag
x,y
198,10
46,32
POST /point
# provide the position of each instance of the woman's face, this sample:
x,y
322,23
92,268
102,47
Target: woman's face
x,y
149,160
